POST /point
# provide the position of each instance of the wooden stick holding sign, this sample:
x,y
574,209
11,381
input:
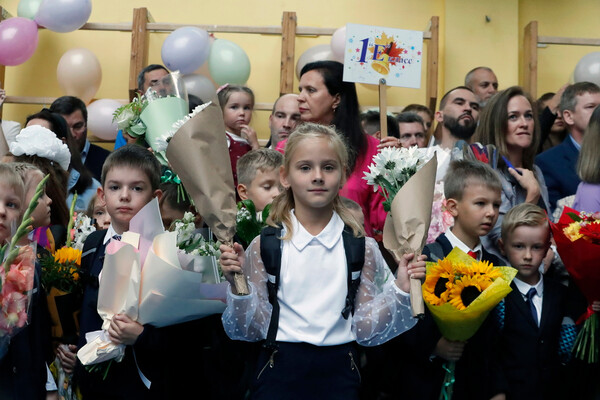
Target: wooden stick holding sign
x,y
383,108
392,57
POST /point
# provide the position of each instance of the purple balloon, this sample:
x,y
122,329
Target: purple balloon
x,y
185,49
18,40
63,15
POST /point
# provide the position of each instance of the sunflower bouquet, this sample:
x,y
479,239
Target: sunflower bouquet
x,y
460,292
577,237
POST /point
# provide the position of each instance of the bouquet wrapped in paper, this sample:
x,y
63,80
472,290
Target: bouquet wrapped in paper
x,y
460,292
577,237
16,277
152,115
208,178
406,178
143,278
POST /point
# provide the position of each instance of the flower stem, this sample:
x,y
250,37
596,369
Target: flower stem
x,y
25,226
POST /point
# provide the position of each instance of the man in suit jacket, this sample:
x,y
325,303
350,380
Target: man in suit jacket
x,y
74,111
558,164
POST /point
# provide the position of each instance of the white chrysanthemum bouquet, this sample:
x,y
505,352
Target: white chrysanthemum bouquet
x,y
392,168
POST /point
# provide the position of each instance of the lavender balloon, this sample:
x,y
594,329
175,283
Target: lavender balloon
x,y
185,49
18,40
64,15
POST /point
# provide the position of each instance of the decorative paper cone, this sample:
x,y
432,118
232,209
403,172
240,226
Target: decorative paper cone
x,y
159,117
407,224
199,155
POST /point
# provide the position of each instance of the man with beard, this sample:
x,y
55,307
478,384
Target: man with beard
x,y
284,118
457,117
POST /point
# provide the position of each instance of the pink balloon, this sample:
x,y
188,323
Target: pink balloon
x,y
18,40
100,115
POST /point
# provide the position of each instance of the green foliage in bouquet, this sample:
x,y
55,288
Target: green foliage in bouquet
x,y
248,223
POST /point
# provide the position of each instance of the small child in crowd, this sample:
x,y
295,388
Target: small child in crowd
x,y
97,211
535,313
258,176
23,369
237,103
130,179
173,204
313,322
473,193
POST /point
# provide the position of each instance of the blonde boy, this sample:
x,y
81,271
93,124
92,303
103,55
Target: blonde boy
x,y
258,176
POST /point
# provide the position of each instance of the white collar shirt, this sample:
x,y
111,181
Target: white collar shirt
x,y
539,296
313,286
456,242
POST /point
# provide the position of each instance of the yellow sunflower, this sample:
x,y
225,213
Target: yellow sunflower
x,y
68,255
467,289
438,282
485,269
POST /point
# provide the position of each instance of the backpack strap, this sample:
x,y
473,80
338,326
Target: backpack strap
x,y
354,247
270,252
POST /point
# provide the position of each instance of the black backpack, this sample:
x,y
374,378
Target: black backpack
x,y
270,250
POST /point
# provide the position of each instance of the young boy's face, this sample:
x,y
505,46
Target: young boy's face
x,y
41,214
125,191
263,188
10,211
525,248
476,213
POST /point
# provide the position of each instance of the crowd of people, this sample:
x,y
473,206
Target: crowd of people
x,y
328,315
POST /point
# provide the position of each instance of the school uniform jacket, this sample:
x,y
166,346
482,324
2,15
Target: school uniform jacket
x,y
528,355
412,372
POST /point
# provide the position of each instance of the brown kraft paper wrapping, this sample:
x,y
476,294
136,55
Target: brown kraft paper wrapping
x,y
199,155
406,226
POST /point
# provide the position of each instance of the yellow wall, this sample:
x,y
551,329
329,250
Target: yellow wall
x,y
466,40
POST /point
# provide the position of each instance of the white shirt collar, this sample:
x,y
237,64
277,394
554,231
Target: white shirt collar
x,y
328,237
456,242
524,287
110,232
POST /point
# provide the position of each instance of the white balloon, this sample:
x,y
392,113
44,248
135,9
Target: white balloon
x,y
100,115
320,52
588,69
200,86
338,44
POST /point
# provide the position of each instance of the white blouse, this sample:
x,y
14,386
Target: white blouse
x,y
312,294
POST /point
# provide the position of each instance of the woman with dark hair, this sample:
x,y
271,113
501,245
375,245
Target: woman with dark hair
x,y
80,179
326,99
509,122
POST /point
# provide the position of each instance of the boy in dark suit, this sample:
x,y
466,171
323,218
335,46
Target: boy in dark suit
x,y
535,313
130,179
473,197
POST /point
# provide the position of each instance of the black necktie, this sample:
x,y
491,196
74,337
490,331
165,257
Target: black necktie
x,y
532,292
116,237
